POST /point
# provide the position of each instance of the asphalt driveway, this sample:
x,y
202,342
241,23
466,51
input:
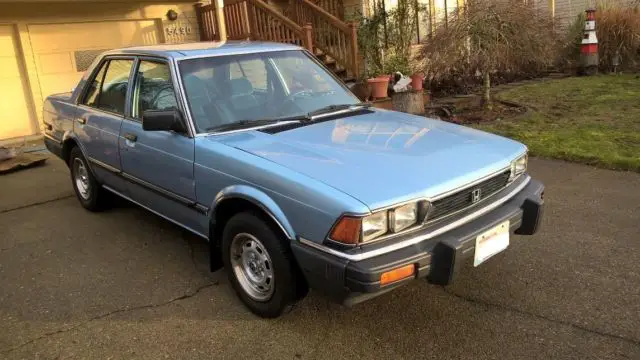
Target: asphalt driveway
x,y
126,284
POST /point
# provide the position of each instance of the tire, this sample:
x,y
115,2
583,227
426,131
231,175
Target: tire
x,y
88,191
253,253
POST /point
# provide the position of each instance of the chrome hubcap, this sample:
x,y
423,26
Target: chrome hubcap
x,y
252,266
81,178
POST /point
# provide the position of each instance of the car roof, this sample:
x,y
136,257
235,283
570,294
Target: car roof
x,y
203,49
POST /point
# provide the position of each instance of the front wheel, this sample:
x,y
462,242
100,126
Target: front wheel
x,y
260,266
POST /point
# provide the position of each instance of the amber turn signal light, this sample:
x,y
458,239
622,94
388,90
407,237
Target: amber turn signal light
x,y
347,230
397,274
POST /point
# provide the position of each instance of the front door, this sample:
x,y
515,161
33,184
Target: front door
x,y
100,116
158,164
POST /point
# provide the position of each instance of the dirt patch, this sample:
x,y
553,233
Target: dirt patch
x,y
469,110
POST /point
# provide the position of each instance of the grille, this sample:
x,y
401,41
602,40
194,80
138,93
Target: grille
x,y
464,198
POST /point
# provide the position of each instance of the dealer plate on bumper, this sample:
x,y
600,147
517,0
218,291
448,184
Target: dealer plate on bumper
x,y
491,242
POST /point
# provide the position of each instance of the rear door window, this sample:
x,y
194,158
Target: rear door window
x,y
108,90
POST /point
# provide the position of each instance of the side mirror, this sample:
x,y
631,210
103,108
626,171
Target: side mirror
x,y
163,120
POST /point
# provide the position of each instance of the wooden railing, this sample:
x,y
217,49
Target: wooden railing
x,y
253,19
333,7
306,25
236,20
330,34
207,22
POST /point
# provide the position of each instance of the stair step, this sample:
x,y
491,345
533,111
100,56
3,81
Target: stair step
x,y
329,61
339,69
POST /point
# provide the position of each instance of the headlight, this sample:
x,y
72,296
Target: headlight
x,y
353,230
402,217
374,226
518,166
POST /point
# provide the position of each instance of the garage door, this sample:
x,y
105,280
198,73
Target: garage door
x,y
15,120
64,51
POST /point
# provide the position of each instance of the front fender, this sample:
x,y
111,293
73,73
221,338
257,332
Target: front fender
x,y
258,198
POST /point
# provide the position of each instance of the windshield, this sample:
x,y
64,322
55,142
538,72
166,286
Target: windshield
x,y
224,90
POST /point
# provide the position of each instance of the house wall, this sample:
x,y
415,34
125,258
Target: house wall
x,y
565,12
47,46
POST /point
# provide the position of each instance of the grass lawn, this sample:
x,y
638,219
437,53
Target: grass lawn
x,y
592,120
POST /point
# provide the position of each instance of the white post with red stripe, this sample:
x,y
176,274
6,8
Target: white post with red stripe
x,y
589,46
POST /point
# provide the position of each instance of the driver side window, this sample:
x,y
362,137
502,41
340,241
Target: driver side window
x,y
153,88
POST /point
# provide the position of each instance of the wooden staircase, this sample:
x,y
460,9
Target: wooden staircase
x,y
303,22
333,65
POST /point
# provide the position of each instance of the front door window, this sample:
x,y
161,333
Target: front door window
x,y
153,89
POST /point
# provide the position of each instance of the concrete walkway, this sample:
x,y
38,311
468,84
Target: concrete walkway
x,y
125,284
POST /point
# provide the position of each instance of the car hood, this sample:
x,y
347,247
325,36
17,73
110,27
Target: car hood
x,y
382,157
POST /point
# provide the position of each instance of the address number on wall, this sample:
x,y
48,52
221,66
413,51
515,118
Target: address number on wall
x,y
178,30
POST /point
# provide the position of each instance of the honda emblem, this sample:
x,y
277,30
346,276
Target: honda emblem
x,y
476,195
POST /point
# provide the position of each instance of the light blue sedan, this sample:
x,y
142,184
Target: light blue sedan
x,y
259,149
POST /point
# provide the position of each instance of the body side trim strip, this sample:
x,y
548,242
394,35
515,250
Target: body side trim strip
x,y
160,190
166,193
419,238
103,165
155,212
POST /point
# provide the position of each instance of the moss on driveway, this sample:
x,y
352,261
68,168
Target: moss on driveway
x,y
593,120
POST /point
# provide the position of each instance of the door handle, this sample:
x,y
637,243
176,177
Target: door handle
x,y
131,137
82,120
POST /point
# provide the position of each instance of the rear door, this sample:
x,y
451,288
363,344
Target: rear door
x,y
158,164
100,114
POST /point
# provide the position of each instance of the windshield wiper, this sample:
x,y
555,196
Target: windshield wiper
x,y
249,123
339,107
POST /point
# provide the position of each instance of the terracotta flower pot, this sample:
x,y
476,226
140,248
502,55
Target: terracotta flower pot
x,y
379,86
416,81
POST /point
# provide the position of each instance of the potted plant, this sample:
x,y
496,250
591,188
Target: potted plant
x,y
379,86
416,81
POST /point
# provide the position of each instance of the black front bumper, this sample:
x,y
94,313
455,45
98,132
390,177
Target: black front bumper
x,y
438,258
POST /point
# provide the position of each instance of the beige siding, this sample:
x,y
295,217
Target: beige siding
x,y
566,11
41,39
15,104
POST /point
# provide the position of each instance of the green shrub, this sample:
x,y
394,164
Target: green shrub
x,y
570,55
370,38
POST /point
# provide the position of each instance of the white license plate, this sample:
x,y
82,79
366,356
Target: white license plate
x,y
491,242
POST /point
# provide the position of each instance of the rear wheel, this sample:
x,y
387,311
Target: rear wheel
x,y
88,191
260,266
